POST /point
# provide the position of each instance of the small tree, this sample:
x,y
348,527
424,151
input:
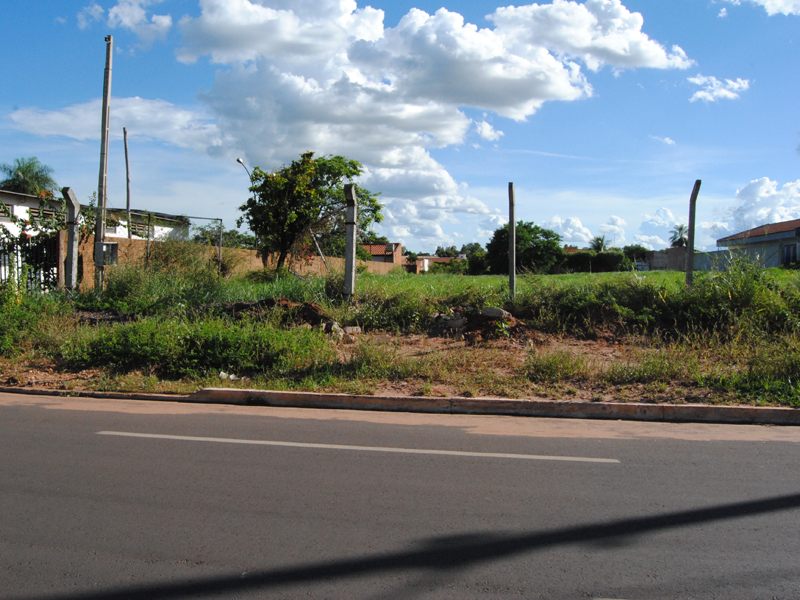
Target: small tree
x,y
678,236
538,249
449,252
208,235
635,252
472,248
28,176
290,202
598,244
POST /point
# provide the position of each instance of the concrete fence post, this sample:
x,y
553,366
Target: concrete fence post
x,y
351,223
690,238
73,238
512,243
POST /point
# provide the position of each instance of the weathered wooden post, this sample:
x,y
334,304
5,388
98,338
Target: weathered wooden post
x,y
219,250
512,244
73,238
100,226
147,249
350,241
690,240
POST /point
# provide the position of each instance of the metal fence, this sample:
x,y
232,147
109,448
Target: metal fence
x,y
40,255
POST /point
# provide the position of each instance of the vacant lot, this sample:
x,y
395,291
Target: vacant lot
x,y
177,327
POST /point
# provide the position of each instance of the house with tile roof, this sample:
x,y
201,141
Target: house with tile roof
x,y
773,244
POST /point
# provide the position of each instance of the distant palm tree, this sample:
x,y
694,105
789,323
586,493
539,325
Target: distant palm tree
x,y
27,176
678,237
598,244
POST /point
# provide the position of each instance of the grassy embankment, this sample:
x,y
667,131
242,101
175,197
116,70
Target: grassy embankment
x,y
731,338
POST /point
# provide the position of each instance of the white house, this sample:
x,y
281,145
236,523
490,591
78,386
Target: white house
x,y
158,225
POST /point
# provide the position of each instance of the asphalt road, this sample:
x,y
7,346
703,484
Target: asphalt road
x,y
345,504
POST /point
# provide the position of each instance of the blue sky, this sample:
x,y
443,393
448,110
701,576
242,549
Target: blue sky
x,y
603,112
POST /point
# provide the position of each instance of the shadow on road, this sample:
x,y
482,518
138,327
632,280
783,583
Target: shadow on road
x,y
438,555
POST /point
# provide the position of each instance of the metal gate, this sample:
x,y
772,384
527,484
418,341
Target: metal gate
x,y
39,254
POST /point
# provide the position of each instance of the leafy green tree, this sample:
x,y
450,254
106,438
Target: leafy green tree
x,y
678,236
370,237
28,176
290,202
208,235
635,252
471,248
449,252
538,249
477,262
598,244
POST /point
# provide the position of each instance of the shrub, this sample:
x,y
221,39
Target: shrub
x,y
179,348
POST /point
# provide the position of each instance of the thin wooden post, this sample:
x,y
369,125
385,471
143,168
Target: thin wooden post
x,y
127,181
219,250
512,243
322,256
102,192
690,240
147,251
351,223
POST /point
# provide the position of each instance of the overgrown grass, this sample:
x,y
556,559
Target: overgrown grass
x,y
735,332
176,348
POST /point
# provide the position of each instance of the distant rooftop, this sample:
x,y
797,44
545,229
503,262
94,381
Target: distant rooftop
x,y
762,230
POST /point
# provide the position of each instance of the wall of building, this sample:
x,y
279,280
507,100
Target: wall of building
x,y
134,252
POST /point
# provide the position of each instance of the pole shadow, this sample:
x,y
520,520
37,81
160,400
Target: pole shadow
x,y
438,555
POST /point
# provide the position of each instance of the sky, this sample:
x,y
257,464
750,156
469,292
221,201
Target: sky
x,y
603,113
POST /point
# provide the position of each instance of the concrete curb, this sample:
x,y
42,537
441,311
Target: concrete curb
x,y
670,413
100,395
674,413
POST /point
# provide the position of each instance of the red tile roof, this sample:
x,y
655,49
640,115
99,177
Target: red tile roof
x,y
762,230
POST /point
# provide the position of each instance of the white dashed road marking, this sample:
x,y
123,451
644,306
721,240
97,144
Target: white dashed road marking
x,y
188,438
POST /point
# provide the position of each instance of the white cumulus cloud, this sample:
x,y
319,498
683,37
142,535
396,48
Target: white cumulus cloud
x,y
487,132
775,7
330,76
614,227
761,201
715,89
147,119
132,15
89,13
597,32
570,229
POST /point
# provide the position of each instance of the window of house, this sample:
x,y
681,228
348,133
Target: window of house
x,y
789,254
41,214
4,214
139,229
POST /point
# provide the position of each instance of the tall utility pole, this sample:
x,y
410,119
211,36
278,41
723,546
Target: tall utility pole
x,y
127,180
100,225
512,243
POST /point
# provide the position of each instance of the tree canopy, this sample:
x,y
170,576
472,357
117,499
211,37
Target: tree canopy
x,y
538,249
293,201
635,252
28,176
449,252
208,235
598,244
678,236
